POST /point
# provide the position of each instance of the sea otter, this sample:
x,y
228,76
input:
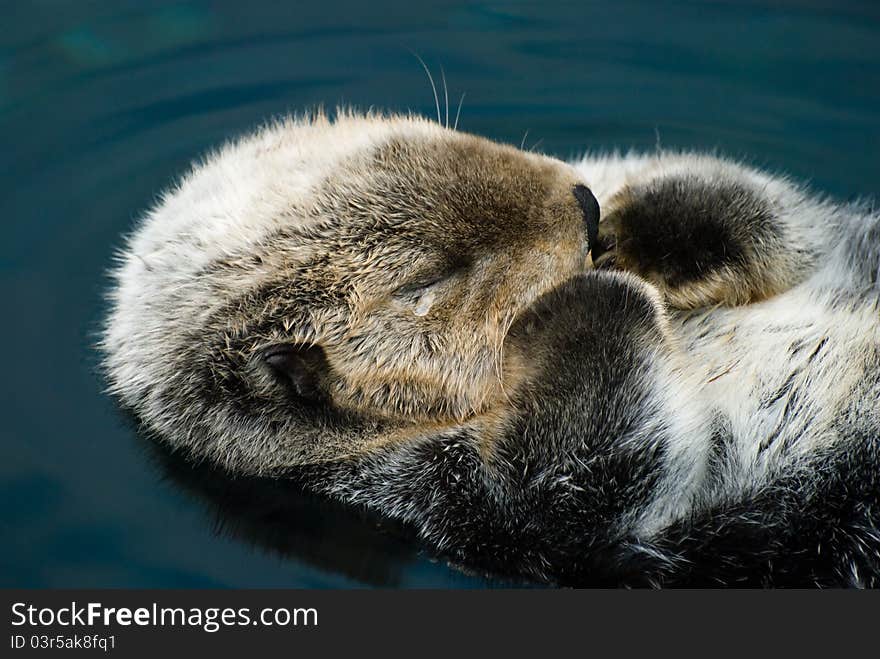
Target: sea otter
x,y
629,370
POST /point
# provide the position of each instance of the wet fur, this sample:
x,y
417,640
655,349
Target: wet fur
x,y
700,409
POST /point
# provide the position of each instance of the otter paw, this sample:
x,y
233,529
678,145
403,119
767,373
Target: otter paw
x,y
700,241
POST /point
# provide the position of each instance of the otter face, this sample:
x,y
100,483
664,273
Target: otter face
x,y
382,286
421,252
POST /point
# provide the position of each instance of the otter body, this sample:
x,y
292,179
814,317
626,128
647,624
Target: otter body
x,y
442,329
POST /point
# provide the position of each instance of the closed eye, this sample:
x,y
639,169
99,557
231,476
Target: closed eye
x,y
420,297
422,291
432,278
417,288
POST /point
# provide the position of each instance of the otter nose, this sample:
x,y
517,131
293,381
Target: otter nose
x,y
590,208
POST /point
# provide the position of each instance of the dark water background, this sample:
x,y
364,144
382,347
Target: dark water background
x,y
103,103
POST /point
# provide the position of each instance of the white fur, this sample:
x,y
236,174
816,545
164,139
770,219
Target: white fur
x,y
231,200
739,356
734,357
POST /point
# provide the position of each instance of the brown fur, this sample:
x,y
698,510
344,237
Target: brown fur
x,y
735,253
489,227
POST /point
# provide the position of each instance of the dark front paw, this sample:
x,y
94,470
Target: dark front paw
x,y
700,241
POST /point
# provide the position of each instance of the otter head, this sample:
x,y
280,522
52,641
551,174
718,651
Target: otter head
x,y
376,282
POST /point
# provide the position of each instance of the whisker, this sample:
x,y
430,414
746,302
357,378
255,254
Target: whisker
x,y
522,144
508,323
445,94
458,111
494,342
504,324
431,80
536,144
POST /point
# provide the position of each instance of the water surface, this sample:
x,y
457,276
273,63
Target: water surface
x,y
102,104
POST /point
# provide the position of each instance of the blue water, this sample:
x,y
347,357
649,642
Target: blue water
x,y
103,103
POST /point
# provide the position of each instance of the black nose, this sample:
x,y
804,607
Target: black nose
x,y
590,208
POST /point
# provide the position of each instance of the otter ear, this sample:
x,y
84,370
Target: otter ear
x,y
301,366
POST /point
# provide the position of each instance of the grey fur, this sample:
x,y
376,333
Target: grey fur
x,y
451,360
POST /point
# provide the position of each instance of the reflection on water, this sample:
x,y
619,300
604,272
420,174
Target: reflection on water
x,y
279,516
101,104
